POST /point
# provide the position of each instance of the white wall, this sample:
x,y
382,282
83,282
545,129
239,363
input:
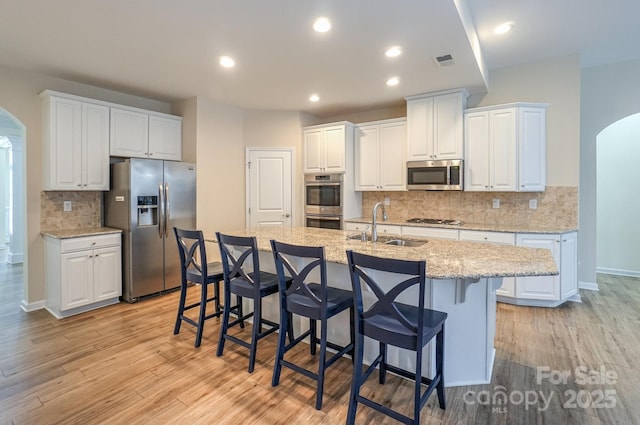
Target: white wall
x,y
618,203
220,164
608,94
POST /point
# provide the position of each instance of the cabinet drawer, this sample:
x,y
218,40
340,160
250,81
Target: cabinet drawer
x,y
492,237
388,229
431,232
356,226
89,242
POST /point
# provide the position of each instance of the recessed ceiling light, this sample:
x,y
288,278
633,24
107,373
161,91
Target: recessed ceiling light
x,y
322,25
314,98
392,52
503,28
227,62
393,81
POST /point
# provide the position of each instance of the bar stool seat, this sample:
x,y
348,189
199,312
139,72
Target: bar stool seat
x,y
195,269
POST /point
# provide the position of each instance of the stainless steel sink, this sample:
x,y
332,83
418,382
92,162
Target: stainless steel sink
x,y
389,240
401,242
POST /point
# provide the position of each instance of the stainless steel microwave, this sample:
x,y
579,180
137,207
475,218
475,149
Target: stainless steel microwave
x,y
435,175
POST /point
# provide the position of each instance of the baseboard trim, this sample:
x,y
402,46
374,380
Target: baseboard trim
x,y
618,272
25,306
590,286
15,258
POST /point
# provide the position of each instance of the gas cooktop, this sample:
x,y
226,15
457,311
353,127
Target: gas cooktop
x,y
434,221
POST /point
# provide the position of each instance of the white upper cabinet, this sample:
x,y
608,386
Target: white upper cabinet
x,y
325,147
505,148
140,134
165,137
76,143
129,133
435,125
380,155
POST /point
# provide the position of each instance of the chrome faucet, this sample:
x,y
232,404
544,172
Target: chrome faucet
x,y
374,226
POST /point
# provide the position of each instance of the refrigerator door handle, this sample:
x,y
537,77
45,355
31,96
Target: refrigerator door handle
x,y
166,210
161,220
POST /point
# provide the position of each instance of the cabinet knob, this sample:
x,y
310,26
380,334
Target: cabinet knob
x,y
79,185
151,154
521,185
486,187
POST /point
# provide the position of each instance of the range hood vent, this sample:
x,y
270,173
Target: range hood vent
x,y
444,60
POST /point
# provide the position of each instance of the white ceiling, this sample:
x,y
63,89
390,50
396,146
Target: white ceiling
x,y
168,49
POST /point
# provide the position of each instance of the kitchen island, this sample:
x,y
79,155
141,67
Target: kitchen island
x,y
462,281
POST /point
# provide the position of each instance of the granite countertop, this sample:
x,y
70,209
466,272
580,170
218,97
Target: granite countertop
x,y
505,228
445,259
80,232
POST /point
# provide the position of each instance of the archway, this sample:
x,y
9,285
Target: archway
x,y
618,174
12,198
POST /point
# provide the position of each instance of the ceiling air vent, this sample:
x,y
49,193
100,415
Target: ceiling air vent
x,y
444,60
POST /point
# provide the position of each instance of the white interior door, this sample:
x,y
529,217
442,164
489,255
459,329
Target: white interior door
x,y
269,187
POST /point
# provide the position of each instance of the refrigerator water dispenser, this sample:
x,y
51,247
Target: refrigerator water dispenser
x,y
147,211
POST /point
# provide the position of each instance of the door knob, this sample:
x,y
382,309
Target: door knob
x,y
287,215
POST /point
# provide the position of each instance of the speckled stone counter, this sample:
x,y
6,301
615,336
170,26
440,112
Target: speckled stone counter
x,y
80,232
505,228
445,259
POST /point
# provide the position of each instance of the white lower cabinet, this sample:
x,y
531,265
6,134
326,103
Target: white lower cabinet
x,y
508,283
555,289
431,232
82,273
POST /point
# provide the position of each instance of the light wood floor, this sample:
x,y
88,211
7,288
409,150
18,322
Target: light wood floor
x,y
123,365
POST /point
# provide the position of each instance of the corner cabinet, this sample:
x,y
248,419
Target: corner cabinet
x,y
325,147
142,134
75,143
435,125
505,148
552,289
380,148
82,273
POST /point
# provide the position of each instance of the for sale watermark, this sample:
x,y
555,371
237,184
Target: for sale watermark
x,y
500,399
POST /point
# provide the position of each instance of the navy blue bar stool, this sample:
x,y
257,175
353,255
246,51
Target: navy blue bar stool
x,y
316,301
194,268
392,323
244,281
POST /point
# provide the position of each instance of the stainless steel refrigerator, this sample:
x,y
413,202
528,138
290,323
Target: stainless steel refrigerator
x,y
147,199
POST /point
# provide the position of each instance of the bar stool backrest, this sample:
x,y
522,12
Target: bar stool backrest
x,y
235,251
386,301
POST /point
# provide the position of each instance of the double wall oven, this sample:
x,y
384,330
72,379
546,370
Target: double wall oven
x,y
323,200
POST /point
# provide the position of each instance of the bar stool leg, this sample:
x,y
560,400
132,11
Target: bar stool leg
x,y
355,380
440,367
255,331
203,313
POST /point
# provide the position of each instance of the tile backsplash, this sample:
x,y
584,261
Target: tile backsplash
x,y
557,206
86,210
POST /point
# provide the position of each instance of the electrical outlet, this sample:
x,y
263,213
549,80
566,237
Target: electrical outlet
x,y
67,205
496,203
387,201
533,204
